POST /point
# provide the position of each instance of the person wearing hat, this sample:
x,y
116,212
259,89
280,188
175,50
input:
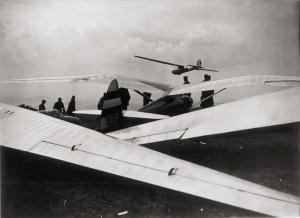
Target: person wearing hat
x,y
42,106
207,96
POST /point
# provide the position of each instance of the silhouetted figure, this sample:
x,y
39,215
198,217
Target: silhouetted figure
x,y
71,106
205,94
42,106
186,80
125,97
59,105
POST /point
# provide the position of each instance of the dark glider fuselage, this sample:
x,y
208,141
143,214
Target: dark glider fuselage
x,y
170,105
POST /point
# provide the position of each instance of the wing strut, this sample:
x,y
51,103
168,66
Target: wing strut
x,y
143,95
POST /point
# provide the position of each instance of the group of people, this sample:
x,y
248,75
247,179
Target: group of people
x,y
206,99
207,96
59,105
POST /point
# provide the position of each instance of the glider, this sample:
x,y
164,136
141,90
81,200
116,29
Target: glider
x,y
270,109
40,134
119,153
174,100
180,68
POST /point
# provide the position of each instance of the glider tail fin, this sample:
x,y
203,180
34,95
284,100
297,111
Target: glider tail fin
x,y
112,103
111,106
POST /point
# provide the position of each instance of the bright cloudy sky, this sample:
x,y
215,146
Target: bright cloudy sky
x,y
76,37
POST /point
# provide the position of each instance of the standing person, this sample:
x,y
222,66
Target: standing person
x,y
186,80
208,101
42,106
59,105
71,106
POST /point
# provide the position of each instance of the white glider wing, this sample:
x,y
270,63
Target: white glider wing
x,y
123,81
151,86
43,135
126,113
276,108
252,80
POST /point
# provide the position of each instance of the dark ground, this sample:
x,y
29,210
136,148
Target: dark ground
x,y
33,186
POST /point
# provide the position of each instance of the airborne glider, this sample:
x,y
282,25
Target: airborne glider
x,y
180,68
119,152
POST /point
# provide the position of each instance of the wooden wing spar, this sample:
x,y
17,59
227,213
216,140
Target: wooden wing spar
x,y
36,133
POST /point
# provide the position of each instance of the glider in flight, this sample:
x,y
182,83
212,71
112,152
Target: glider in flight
x,y
180,68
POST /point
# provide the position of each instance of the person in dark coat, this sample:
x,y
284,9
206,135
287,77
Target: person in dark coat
x,y
125,97
205,94
59,105
186,82
71,106
42,106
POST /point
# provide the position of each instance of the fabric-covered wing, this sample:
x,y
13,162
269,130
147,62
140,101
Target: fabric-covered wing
x,y
39,134
126,113
126,82
269,109
238,81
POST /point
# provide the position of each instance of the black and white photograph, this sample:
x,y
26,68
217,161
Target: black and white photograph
x,y
149,109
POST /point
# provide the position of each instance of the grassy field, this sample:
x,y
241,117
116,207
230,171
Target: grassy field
x,y
33,186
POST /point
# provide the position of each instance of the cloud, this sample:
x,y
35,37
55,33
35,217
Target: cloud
x,y
53,38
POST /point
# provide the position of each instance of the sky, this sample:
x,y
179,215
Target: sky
x,y
81,37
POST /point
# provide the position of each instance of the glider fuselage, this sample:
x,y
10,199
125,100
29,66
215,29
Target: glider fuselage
x,y
170,105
